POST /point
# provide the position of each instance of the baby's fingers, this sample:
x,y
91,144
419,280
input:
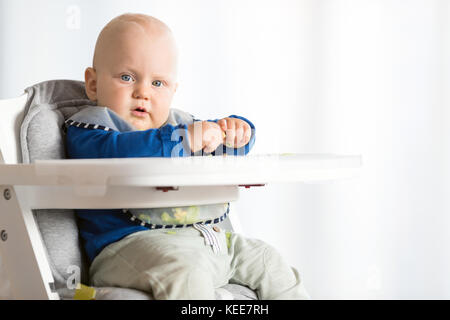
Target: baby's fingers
x,y
247,133
222,124
230,133
239,136
212,138
243,134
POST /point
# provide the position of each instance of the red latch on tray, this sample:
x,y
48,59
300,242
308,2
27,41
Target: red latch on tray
x,y
165,189
247,186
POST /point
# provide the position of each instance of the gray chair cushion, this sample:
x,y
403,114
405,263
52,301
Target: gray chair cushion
x,y
49,104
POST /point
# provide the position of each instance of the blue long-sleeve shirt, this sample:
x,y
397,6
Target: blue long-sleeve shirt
x,y
97,132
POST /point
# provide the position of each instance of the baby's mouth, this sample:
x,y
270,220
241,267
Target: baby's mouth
x,y
140,112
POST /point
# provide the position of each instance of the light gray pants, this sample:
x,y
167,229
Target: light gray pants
x,y
178,264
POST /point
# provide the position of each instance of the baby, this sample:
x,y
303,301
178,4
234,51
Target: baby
x,y
172,253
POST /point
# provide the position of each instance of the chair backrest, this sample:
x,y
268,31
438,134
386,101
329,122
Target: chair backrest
x,y
11,116
19,134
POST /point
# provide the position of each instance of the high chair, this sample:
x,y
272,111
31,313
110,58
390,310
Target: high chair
x,y
40,255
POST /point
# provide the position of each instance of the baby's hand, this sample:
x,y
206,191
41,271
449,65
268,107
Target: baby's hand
x,y
237,131
205,135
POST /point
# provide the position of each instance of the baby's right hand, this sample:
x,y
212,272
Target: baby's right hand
x,y
204,135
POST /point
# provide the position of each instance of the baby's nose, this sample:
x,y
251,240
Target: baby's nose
x,y
141,93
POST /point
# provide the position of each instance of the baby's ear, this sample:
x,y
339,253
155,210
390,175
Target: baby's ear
x,y
90,83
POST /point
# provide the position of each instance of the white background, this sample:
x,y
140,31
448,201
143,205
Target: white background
x,y
368,77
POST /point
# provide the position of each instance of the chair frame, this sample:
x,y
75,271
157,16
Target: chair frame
x,y
122,183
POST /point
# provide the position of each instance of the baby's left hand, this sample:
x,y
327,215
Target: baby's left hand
x,y
237,132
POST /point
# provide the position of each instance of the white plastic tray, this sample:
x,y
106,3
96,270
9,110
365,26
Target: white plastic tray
x,y
188,171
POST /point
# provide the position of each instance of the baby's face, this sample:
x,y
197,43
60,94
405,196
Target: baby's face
x,y
136,76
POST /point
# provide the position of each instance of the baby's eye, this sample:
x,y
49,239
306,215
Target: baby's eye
x,y
126,77
157,83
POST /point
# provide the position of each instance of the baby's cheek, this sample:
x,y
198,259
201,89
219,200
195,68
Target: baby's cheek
x,y
161,103
160,115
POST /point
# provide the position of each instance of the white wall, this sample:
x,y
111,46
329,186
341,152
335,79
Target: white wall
x,y
444,13
362,77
